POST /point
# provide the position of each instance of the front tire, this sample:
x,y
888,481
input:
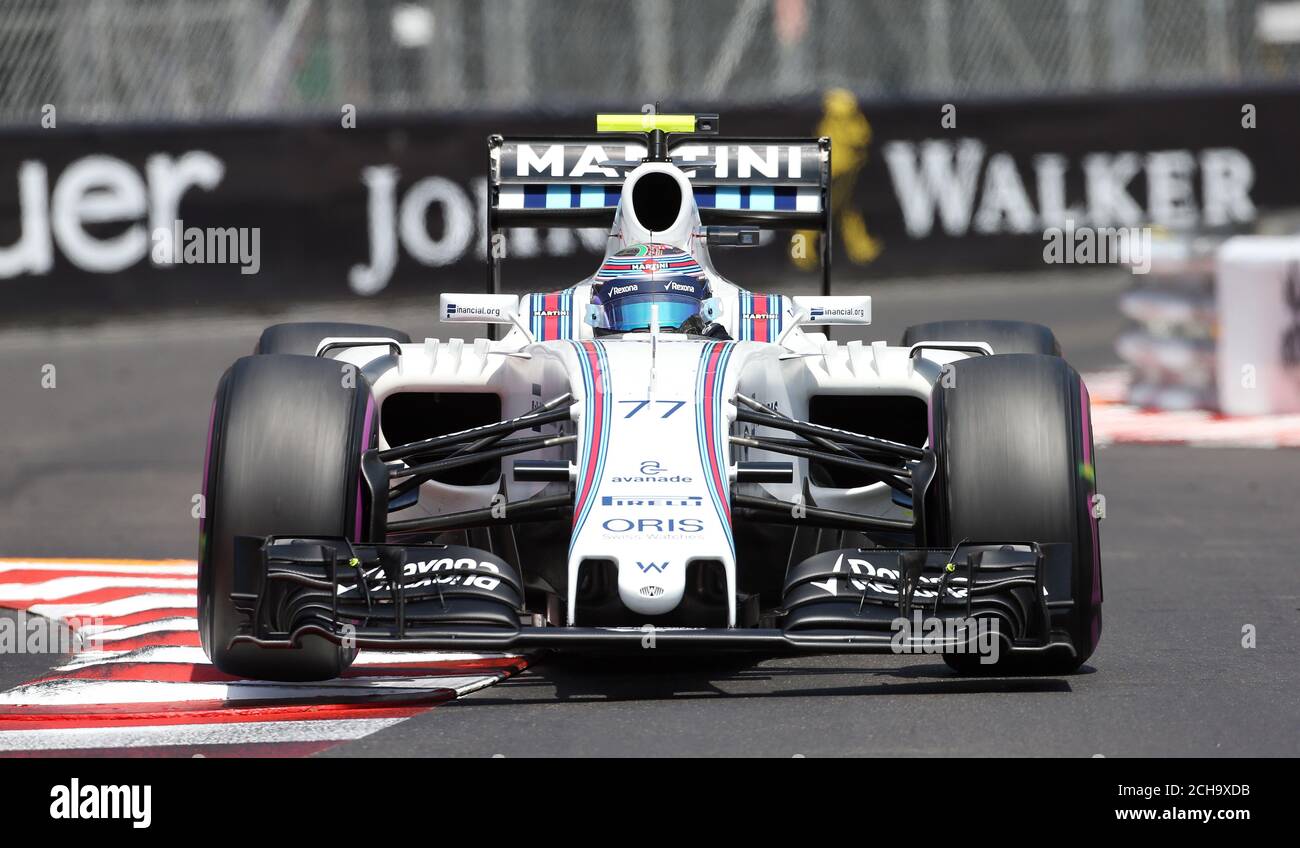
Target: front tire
x,y
1013,438
283,457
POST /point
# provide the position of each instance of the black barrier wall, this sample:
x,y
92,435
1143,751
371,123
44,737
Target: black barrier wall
x,y
396,206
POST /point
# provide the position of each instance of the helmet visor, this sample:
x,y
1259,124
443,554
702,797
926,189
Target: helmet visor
x,y
635,313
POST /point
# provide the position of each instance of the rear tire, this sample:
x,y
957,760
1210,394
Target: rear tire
x,y
1002,336
283,457
304,337
1013,438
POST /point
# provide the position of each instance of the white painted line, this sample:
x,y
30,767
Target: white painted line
x,y
74,692
142,568
232,733
195,656
69,578
66,587
1129,425
84,659
116,632
151,654
473,684
123,606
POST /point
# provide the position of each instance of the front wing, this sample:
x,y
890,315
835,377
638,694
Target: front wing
x,y
452,597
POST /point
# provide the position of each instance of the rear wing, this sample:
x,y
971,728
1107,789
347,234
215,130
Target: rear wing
x,y
577,181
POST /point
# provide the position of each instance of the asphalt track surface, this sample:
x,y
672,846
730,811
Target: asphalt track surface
x,y
1198,544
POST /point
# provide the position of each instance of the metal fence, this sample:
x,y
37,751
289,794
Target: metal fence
x,y
106,60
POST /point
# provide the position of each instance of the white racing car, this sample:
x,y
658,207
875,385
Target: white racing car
x,y
656,458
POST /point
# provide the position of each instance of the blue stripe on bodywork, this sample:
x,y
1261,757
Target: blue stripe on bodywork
x,y
718,448
592,441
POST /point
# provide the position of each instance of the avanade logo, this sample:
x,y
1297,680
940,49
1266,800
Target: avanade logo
x,y
92,801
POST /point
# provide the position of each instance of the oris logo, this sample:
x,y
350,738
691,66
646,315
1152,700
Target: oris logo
x,y
653,525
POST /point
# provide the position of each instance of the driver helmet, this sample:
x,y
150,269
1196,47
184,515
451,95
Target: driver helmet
x,y
636,280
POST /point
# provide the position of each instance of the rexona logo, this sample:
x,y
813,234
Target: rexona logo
x,y
411,569
441,572
74,801
863,568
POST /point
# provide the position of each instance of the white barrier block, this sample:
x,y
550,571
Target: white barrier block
x,y
1258,294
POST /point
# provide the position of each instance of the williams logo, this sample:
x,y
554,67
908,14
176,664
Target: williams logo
x,y
657,567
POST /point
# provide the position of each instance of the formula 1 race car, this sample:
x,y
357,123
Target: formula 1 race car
x,y
655,457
